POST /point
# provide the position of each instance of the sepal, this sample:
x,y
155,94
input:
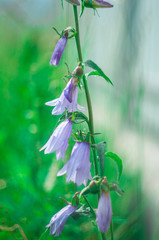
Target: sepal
x,y
82,212
75,199
116,188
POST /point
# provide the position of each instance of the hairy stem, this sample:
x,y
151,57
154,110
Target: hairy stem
x,y
90,113
94,215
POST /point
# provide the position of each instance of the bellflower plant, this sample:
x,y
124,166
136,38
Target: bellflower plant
x,y
58,221
86,151
77,169
59,140
67,100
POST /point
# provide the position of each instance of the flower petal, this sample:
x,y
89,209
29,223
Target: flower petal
x,y
59,49
104,212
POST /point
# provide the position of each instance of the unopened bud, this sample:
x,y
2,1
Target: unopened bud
x,y
92,188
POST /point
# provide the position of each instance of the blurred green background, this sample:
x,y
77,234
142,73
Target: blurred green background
x,y
123,42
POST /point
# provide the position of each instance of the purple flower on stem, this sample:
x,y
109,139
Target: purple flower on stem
x,y
97,4
58,221
77,168
59,139
104,212
68,99
59,49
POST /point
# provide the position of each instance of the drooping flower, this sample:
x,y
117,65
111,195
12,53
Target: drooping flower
x,y
104,212
77,168
59,139
74,2
97,4
68,99
59,49
58,221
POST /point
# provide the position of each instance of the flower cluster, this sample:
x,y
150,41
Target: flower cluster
x,y
78,167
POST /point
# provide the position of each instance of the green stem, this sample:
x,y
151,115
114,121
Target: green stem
x,y
90,113
111,230
89,206
103,236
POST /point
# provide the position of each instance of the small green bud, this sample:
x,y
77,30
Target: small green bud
x,y
92,188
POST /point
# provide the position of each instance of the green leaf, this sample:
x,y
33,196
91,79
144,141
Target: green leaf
x,y
101,153
82,8
118,161
43,234
98,71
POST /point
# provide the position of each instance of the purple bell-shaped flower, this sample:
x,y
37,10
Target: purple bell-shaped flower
x,y
67,100
58,221
104,212
59,139
77,168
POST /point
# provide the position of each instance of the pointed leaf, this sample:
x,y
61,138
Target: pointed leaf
x,y
118,161
98,71
82,8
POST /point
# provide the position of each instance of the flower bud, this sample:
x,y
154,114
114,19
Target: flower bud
x,y
97,4
92,188
59,49
74,2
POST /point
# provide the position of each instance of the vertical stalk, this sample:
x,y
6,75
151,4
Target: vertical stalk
x,y
90,113
103,236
